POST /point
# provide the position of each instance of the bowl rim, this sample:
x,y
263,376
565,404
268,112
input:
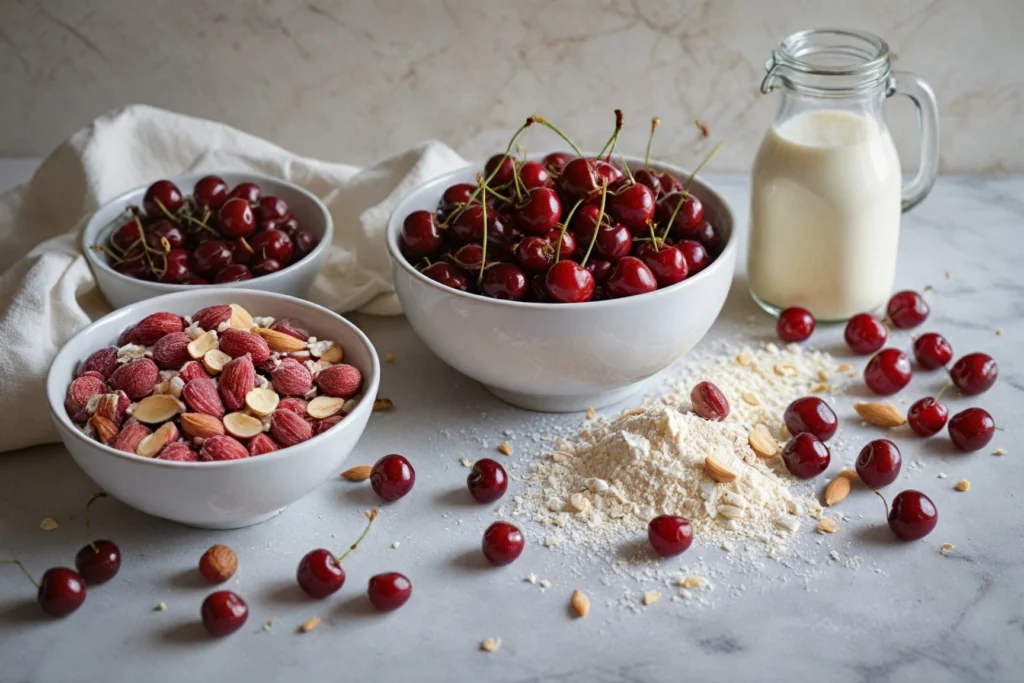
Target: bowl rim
x,y
394,227
92,230
365,404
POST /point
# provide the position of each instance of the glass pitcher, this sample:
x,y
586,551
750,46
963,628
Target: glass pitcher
x,y
827,193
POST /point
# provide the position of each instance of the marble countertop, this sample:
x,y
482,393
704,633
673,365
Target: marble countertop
x,y
903,612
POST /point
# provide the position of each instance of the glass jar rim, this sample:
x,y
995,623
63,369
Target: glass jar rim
x,y
829,62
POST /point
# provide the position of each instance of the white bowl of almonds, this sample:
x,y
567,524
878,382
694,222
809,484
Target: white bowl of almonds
x,y
214,408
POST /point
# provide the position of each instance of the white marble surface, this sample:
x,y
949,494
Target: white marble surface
x,y
355,80
907,614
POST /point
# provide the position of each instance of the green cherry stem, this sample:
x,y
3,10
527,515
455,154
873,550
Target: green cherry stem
x,y
508,151
686,189
885,503
597,228
565,226
370,515
22,568
654,237
547,124
88,519
620,120
483,249
655,122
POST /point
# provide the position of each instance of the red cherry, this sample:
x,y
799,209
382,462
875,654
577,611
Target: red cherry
x,y
907,309
61,591
584,221
569,246
696,256
812,415
505,173
579,179
420,234
392,477
879,463
556,161
265,266
241,251
505,281
887,372
177,266
649,178
609,173
211,257
223,613
502,543
666,262
805,456
446,274
539,212
865,333
912,515
468,257
250,192
971,429
974,373
633,207
613,241
795,325
567,282
927,417
689,218
630,277
126,236
468,226
600,269
487,480
233,273
273,244
669,534
98,562
165,193
534,175
319,574
932,351
669,183
210,192
304,243
236,218
456,195
710,238
271,208
164,229
534,253
388,592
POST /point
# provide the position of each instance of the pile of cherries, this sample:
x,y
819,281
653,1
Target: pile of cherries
x,y
564,229
216,234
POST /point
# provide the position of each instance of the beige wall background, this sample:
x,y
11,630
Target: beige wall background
x,y
356,80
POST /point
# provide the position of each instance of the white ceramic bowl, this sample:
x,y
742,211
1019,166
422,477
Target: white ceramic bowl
x,y
295,280
218,495
561,357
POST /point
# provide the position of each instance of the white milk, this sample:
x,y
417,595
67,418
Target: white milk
x,y
825,214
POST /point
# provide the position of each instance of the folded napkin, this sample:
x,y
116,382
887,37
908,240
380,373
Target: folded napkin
x,y
47,292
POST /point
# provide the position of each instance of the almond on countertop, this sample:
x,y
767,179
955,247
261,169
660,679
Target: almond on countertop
x,y
357,473
880,414
837,490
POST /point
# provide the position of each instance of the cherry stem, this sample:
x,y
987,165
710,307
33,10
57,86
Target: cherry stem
x,y
163,208
565,226
371,515
547,124
686,189
945,386
884,501
597,226
654,237
655,122
22,567
483,250
88,519
516,181
508,150
620,119
200,222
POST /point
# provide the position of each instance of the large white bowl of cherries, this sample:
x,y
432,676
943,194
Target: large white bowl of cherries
x,y
200,229
562,281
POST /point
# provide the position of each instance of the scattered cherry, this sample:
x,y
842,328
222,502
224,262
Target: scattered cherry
x,y
669,534
223,613
502,543
974,373
487,480
912,515
811,415
927,416
98,561
971,429
907,309
932,351
887,372
795,324
388,592
319,574
61,591
805,456
392,477
865,333
879,463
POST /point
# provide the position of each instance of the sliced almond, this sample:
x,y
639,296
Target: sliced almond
x,y
580,603
505,448
744,359
837,490
691,582
242,425
818,387
357,473
383,404
279,341
490,644
827,525
880,414
651,597
845,367
156,409
750,398
762,442
324,406
390,357
591,414
963,485
155,442
717,470
214,361
262,402
822,375
309,624
333,354
198,347
786,370
240,319
630,412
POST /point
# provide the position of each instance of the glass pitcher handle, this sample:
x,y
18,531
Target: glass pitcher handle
x,y
920,93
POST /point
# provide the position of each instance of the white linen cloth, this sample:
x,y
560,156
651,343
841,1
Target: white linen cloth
x,y
47,292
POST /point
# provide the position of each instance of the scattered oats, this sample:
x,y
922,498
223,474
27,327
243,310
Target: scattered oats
x,y
845,367
999,332
505,448
949,275
819,388
465,462
690,582
1000,451
160,607
743,359
963,485
827,526
48,524
491,645
942,475
651,597
309,624
395,545
269,624
544,584
786,370
629,412
383,404
927,288
727,546
550,542
946,548
591,414
822,375
750,398
531,578
390,357
834,556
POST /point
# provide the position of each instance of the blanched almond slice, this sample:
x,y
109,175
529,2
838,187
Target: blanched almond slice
x,y
762,442
717,470
198,347
156,409
827,526
279,341
333,354
240,319
837,490
155,442
324,406
214,361
262,401
880,414
242,425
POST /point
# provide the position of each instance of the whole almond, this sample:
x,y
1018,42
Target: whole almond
x,y
880,414
357,473
102,429
580,603
155,442
289,429
212,317
291,378
341,381
762,442
150,329
218,564
130,437
113,407
192,370
171,351
201,396
103,361
200,425
135,378
717,470
237,379
261,444
78,394
382,404
709,402
222,447
237,343
837,490
156,409
279,341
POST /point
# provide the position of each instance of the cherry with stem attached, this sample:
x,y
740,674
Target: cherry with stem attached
x,y
320,574
686,190
60,592
98,561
